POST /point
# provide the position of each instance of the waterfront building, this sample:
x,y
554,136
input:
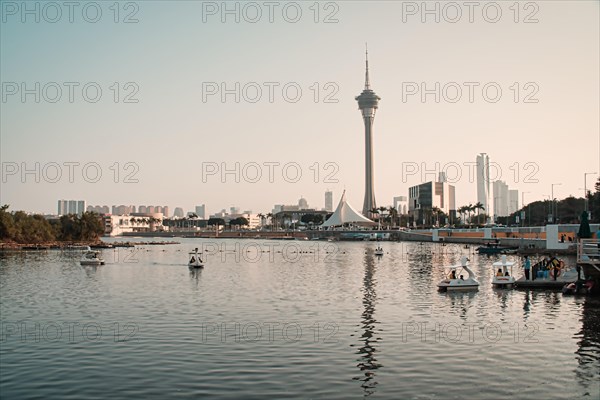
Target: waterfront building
x,y
428,195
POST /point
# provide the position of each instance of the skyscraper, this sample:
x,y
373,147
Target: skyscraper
x,y
483,182
501,199
367,103
63,207
328,200
302,203
513,200
201,211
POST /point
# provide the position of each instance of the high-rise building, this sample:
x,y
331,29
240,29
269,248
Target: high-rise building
x,y
500,199
62,207
483,182
201,211
513,201
401,204
77,207
302,203
72,206
178,212
98,209
329,200
367,103
80,207
428,195
142,209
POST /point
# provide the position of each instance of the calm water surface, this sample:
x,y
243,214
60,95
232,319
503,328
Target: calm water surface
x,y
286,319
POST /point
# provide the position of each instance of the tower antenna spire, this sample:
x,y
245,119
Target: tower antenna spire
x,y
367,83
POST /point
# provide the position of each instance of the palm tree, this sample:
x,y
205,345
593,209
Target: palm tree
x,y
374,211
463,210
270,216
393,214
478,206
470,209
436,211
382,210
262,218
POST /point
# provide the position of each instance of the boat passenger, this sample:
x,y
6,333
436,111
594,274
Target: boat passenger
x,y
453,274
461,278
506,274
193,260
499,273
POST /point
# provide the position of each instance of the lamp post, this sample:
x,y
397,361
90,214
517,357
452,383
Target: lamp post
x,y
585,189
554,202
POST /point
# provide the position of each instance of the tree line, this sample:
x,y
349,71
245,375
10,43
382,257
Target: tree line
x,y
20,227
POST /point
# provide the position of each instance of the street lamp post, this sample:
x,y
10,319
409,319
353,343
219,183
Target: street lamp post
x,y
554,210
585,189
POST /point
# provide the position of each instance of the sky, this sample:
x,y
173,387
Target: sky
x,y
251,104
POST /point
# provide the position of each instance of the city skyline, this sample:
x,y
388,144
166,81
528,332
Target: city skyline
x,y
542,131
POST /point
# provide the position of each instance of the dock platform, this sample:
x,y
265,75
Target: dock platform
x,y
569,276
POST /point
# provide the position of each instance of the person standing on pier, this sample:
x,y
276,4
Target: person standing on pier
x,y
527,267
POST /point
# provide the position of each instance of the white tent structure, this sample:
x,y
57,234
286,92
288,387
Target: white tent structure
x,y
345,214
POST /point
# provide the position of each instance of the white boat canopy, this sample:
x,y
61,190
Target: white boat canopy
x,y
345,214
503,262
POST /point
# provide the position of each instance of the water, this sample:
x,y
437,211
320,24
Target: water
x,y
286,319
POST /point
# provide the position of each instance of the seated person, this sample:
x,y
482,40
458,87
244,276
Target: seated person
x,y
506,274
499,273
461,278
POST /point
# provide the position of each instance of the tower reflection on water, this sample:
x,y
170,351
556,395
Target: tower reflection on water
x,y
367,361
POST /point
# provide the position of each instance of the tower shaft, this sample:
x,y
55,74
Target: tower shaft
x,y
367,103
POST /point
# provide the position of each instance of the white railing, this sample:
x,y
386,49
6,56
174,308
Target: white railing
x,y
588,250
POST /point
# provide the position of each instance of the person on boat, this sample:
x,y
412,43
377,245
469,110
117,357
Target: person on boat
x,y
527,267
193,260
462,278
506,273
499,273
453,274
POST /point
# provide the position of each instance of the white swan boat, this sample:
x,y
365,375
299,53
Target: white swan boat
x,y
455,279
91,257
195,260
504,277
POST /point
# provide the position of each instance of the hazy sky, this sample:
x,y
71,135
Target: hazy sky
x,y
162,115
